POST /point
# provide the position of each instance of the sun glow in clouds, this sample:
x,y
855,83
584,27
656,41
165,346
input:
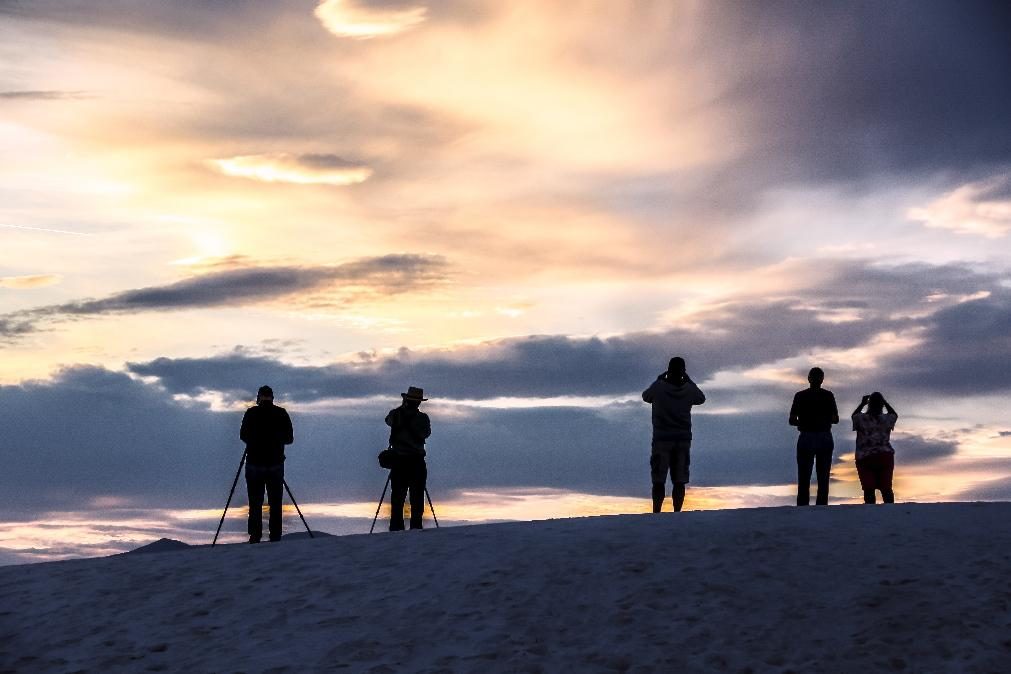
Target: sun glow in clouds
x,y
347,18
306,169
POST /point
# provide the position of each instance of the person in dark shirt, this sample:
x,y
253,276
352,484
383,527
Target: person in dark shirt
x,y
813,413
409,428
266,429
672,396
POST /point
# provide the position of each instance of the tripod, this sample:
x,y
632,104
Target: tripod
x,y
232,491
383,497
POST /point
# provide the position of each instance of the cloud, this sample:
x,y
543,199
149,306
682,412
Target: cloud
x,y
304,169
32,281
356,281
965,349
52,95
361,19
982,208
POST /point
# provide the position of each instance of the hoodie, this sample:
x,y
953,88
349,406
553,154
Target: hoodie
x,y
672,408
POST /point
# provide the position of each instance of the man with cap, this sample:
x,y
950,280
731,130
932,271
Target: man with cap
x,y
266,429
672,396
409,428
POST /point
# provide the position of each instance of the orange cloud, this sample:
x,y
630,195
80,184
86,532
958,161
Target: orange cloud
x,y
33,281
347,18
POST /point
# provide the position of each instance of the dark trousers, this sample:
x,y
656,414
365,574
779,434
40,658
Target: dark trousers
x,y
813,449
259,478
409,474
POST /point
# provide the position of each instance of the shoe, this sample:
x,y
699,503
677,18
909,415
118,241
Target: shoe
x,y
253,539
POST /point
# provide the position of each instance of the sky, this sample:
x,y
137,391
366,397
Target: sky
x,y
525,208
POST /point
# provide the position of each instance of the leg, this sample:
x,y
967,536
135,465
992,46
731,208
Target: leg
x,y
418,479
870,496
254,492
659,493
679,463
678,496
398,494
824,468
659,464
887,470
275,498
805,462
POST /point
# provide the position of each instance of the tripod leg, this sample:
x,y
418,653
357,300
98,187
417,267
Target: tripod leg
x,y
381,498
229,501
299,510
432,508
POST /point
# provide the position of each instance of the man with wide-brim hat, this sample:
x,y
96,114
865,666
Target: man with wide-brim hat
x,y
409,428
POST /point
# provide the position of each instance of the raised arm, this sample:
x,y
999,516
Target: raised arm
x,y
889,408
648,395
699,397
863,402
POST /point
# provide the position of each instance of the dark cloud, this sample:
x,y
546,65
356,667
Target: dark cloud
x,y
735,336
853,89
913,449
991,490
386,275
43,95
90,433
966,349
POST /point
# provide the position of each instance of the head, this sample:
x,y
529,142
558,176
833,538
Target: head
x,y
265,396
676,368
876,404
414,397
815,377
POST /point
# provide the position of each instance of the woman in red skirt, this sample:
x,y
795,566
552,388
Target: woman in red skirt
x,y
875,456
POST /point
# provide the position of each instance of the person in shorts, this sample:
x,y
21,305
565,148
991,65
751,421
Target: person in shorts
x,y
875,455
672,396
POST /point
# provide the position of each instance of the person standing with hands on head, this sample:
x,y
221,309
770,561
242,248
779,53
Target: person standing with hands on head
x,y
266,429
409,428
875,455
813,413
672,396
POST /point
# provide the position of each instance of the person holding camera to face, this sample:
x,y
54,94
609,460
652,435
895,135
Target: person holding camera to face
x,y
409,428
672,397
875,455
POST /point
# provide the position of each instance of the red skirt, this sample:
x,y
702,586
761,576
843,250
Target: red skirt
x,y
876,470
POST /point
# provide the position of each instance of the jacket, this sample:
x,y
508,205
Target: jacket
x,y
409,428
266,429
672,408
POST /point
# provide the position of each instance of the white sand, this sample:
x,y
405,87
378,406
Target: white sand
x,y
917,588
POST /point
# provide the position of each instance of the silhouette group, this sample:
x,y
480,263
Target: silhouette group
x,y
266,429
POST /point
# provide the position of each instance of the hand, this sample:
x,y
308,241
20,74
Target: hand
x,y
866,399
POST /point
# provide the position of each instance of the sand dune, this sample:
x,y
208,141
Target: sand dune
x,y
917,588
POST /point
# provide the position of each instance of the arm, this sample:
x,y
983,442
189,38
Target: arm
x,y
835,410
794,419
648,395
890,409
244,429
863,402
422,426
289,433
699,397
391,418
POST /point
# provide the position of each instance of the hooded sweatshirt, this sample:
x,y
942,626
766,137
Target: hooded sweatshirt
x,y
672,408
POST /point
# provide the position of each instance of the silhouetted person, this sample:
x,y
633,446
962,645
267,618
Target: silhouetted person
x,y
813,413
672,396
266,429
875,456
409,428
